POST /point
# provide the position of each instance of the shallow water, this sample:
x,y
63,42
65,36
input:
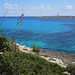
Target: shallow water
x,y
56,34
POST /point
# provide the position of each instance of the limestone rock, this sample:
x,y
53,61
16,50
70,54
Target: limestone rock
x,y
66,73
54,60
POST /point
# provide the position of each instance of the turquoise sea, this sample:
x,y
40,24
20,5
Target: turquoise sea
x,y
56,34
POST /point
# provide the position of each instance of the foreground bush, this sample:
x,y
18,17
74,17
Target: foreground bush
x,y
6,43
2,43
71,69
9,44
20,63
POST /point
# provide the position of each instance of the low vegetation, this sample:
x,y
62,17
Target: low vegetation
x,y
9,44
6,44
71,69
21,63
2,41
35,48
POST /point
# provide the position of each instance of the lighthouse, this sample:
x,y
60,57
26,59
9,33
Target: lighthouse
x,y
57,14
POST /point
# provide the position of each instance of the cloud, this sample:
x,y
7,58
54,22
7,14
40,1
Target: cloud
x,y
68,7
10,6
37,10
41,7
13,7
31,10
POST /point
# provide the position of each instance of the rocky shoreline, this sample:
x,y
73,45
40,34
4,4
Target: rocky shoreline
x,y
61,58
67,57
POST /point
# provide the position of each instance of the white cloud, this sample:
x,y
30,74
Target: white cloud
x,y
41,7
10,6
31,10
13,7
68,7
37,10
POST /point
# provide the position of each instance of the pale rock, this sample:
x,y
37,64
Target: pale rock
x,y
54,60
29,48
23,47
59,62
16,44
1,52
66,73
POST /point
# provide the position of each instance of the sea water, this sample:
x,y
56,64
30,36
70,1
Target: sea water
x,y
57,34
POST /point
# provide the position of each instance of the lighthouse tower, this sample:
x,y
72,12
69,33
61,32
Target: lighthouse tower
x,y
57,14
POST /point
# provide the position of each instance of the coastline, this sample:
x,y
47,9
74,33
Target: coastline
x,y
59,16
61,58
67,57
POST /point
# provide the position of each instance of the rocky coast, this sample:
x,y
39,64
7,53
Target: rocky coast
x,y
61,58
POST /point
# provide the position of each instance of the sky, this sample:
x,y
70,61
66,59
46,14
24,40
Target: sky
x,y
37,7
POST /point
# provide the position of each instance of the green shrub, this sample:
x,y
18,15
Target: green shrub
x,y
2,42
20,63
6,43
9,44
71,69
35,48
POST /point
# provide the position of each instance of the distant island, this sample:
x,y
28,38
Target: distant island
x,y
58,16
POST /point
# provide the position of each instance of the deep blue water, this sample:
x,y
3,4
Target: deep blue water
x,y
57,34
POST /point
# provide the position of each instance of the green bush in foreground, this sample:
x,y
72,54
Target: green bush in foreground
x,y
2,41
6,43
20,63
9,44
71,69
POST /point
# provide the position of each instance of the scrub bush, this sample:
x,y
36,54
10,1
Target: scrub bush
x,y
20,63
6,43
2,42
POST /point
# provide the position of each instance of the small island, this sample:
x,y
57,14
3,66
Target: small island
x,y
59,16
